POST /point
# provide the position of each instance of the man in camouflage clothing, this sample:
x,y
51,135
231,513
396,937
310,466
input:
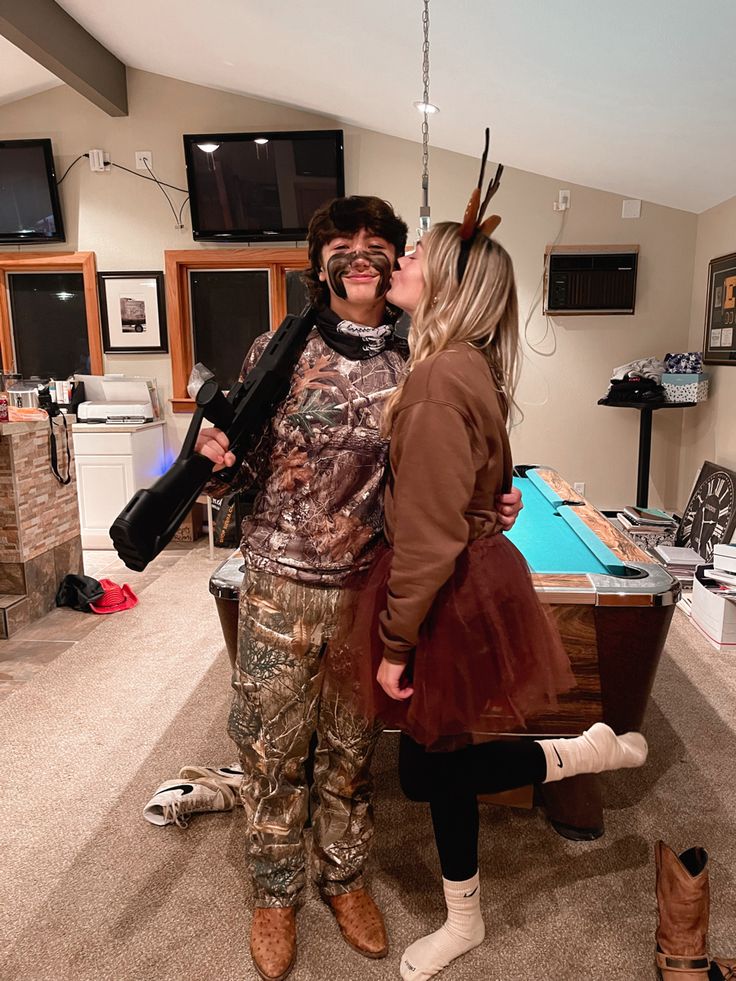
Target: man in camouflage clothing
x,y
316,519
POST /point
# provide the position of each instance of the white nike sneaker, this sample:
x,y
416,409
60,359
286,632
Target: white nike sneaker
x,y
231,775
175,801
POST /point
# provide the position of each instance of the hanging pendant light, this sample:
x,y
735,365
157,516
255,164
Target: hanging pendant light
x,y
426,108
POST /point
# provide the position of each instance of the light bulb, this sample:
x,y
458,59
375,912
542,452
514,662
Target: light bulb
x,y
209,147
429,107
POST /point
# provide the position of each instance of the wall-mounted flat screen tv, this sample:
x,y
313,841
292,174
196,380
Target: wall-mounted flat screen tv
x,y
261,187
29,199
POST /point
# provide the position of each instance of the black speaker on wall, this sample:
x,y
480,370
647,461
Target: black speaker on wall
x,y
590,280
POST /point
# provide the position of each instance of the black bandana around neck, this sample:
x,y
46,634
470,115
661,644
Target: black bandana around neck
x,y
354,341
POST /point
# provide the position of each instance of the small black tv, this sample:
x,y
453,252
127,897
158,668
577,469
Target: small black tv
x,y
261,187
30,210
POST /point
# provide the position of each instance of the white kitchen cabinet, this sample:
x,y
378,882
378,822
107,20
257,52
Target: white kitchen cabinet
x,y
112,463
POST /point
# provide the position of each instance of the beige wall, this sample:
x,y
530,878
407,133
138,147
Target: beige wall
x,y
568,362
708,431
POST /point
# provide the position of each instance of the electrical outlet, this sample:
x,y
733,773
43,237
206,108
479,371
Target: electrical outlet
x,y
563,201
143,157
579,488
97,160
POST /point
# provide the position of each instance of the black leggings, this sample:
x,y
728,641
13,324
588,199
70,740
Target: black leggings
x,y
451,783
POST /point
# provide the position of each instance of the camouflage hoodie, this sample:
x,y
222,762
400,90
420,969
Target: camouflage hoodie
x,y
321,467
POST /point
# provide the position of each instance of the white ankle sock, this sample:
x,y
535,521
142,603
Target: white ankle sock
x,y
598,749
462,930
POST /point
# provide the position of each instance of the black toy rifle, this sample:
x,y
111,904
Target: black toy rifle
x,y
149,520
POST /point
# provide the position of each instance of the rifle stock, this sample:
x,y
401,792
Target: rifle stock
x,y
151,517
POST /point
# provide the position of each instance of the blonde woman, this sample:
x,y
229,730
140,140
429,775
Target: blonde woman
x,y
448,614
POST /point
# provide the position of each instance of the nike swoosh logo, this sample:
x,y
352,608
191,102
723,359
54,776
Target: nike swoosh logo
x,y
559,759
467,895
186,788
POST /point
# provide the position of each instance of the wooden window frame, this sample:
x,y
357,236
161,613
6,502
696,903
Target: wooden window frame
x,y
55,262
179,263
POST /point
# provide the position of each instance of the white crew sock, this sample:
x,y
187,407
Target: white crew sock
x,y
462,930
598,749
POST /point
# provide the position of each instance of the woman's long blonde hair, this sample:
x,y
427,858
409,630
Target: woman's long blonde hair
x,y
482,310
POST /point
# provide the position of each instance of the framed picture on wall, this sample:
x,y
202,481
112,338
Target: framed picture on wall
x,y
719,342
133,313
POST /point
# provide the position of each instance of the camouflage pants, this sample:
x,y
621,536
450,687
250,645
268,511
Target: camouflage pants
x,y
281,699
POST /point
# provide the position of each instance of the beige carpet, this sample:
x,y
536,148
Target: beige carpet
x,y
89,891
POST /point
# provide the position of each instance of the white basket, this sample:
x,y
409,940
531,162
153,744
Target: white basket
x,y
685,387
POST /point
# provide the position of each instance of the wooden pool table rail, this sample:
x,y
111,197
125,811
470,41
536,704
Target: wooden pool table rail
x,y
658,589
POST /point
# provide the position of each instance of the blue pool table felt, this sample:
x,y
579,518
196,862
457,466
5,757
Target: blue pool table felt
x,y
551,536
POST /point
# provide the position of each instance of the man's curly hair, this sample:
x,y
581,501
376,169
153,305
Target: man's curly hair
x,y
346,216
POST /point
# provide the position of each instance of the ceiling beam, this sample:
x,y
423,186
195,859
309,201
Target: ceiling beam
x,y
47,33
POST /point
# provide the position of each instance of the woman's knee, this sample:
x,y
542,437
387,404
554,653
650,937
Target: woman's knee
x,y
416,772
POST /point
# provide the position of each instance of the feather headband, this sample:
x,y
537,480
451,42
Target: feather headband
x,y
473,219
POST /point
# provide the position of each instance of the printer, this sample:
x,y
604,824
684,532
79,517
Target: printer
x,y
118,400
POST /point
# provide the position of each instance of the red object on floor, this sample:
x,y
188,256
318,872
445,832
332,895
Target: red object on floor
x,y
115,598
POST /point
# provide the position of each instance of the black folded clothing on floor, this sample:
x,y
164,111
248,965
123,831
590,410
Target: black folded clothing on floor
x,y
78,592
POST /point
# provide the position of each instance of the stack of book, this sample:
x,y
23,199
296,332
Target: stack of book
x,y
648,527
680,562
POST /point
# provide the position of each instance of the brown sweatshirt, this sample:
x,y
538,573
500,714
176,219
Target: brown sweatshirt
x,y
449,457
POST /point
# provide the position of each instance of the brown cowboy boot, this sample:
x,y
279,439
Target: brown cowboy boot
x,y
683,900
360,922
273,941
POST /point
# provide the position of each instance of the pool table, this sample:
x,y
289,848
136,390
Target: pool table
x,y
613,605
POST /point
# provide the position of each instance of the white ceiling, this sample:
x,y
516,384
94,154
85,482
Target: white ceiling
x,y
632,96
20,75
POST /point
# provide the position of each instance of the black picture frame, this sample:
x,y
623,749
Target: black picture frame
x,y
131,303
719,338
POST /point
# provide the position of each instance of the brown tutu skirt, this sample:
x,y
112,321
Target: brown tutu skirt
x,y
488,658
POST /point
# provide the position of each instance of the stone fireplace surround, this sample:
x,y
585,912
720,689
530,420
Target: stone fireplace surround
x,y
40,540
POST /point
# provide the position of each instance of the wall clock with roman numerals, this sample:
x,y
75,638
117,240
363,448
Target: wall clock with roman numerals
x,y
710,515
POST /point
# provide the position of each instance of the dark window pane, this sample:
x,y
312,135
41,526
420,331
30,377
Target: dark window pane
x,y
49,324
230,308
296,292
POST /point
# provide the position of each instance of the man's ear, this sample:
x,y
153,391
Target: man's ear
x,y
322,276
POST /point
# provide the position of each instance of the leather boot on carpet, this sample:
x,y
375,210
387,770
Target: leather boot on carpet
x,y
273,941
361,922
683,901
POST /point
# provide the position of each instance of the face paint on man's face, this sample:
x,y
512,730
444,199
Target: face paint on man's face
x,y
340,264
